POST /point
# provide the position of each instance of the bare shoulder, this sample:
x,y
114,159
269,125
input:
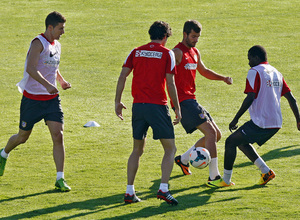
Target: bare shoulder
x,y
178,55
177,51
36,45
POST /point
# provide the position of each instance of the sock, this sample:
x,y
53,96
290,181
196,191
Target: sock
x,y
130,190
213,168
4,154
164,187
227,176
60,175
260,163
186,155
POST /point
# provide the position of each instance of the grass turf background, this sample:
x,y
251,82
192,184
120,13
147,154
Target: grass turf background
x,y
99,35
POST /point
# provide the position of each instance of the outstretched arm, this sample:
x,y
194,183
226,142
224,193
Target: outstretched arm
x,y
120,87
210,74
244,107
293,104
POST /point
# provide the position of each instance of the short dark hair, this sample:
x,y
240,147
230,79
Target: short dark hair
x,y
54,18
159,29
192,25
259,51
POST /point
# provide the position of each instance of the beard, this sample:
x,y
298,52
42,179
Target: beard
x,y
189,43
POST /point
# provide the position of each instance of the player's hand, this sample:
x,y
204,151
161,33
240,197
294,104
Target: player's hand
x,y
65,85
233,125
178,117
228,80
52,89
118,109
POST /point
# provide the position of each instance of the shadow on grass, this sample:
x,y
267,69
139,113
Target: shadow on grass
x,y
187,201
98,205
275,154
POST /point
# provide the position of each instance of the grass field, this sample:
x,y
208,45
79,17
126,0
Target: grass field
x,y
99,35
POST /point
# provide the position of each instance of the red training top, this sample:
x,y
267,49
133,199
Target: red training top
x,y
150,64
186,73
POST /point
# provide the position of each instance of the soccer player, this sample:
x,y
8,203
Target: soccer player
x,y
40,95
194,115
153,68
264,87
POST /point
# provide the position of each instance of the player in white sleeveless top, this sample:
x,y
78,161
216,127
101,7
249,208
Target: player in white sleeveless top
x,y
264,88
47,65
272,87
40,96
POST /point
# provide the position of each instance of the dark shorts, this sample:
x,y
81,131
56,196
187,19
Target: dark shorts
x,y
155,116
32,111
193,115
254,134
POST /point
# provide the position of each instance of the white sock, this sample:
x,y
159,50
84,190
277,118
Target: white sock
x,y
260,163
227,176
4,154
164,187
186,155
130,190
213,168
60,175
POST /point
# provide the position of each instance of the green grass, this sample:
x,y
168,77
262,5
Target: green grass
x,y
99,35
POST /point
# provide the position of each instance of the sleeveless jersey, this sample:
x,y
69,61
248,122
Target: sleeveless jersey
x,y
47,65
186,73
150,64
268,85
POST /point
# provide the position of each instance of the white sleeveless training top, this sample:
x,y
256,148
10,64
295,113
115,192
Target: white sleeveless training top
x,y
48,65
265,110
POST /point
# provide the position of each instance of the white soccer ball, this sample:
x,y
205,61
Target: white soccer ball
x,y
200,157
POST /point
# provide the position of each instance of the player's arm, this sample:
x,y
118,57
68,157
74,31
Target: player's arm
x,y
244,107
210,74
64,84
178,55
173,96
293,104
32,61
120,87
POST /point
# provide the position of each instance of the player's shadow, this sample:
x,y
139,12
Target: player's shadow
x,y
275,154
92,206
187,201
88,206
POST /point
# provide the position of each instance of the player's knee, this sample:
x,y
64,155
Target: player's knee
x,y
229,143
175,150
171,151
58,136
212,134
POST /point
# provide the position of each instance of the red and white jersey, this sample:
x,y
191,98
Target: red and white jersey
x,y
268,85
47,65
186,73
150,64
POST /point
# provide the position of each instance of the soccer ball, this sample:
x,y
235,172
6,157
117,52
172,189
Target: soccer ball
x,y
200,157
